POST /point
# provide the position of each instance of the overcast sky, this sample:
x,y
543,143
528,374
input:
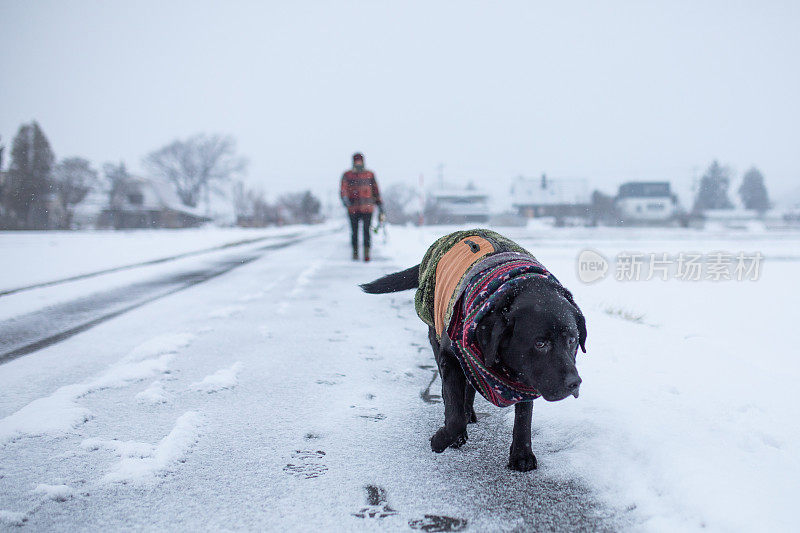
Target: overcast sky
x,y
602,90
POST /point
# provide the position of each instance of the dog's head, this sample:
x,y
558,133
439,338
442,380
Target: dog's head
x,y
535,333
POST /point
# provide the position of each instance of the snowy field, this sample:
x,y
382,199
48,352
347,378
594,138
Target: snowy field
x,y
278,397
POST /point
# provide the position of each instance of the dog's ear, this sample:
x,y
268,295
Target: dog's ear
x,y
579,319
493,330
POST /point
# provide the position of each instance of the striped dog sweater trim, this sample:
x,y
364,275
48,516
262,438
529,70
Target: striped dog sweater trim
x,y
483,294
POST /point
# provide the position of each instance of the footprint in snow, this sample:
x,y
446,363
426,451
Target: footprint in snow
x,y
377,504
426,394
339,336
307,464
333,379
226,312
432,522
369,413
252,296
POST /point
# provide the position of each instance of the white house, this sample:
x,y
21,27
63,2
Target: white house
x,y
148,203
646,202
455,206
544,197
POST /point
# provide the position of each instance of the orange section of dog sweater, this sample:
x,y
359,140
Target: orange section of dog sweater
x,y
449,271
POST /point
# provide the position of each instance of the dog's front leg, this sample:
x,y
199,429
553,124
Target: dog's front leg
x,y
454,432
521,457
469,405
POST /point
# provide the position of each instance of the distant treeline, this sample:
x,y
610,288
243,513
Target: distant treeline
x,y
38,192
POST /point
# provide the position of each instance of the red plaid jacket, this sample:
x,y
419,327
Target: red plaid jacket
x,y
359,191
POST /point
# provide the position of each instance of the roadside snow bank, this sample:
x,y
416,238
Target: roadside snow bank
x,y
687,418
671,427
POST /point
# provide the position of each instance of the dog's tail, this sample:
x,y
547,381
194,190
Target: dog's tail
x,y
399,281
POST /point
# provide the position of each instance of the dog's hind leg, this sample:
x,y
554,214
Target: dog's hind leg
x,y
454,383
521,457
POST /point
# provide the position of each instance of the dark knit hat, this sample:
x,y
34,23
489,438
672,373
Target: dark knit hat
x,y
358,155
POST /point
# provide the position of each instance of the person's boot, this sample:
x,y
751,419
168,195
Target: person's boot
x,y
355,254
366,255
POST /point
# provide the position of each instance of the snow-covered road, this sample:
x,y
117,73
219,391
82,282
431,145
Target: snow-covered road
x,y
279,397
114,294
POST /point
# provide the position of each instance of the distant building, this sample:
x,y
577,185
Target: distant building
x,y
646,202
145,203
86,214
549,197
457,206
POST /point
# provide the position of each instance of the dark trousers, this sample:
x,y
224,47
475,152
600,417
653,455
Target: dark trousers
x,y
366,219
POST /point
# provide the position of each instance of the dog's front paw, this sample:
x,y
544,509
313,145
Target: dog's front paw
x,y
471,416
522,461
443,439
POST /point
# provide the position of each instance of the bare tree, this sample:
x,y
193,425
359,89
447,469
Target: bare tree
x,y
196,165
251,208
399,203
73,178
242,201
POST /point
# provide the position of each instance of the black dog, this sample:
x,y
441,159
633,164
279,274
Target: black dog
x,y
530,334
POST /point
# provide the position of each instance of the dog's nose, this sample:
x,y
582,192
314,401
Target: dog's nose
x,y
574,384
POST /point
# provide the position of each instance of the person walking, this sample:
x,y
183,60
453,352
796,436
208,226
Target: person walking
x,y
360,195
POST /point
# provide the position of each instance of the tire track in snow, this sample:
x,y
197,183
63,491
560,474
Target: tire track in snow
x,y
29,333
158,261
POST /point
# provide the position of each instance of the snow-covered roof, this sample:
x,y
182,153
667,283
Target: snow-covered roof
x,y
644,189
156,195
550,191
460,194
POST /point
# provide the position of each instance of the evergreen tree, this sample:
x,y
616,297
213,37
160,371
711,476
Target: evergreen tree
x,y
117,178
2,185
29,185
753,192
713,191
302,207
603,208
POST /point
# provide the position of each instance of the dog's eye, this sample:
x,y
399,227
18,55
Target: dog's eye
x,y
540,345
571,340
